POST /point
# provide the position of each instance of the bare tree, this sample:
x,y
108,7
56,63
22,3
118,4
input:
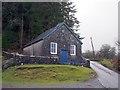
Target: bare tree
x,y
107,51
88,54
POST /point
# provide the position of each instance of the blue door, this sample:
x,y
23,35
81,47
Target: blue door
x,y
63,56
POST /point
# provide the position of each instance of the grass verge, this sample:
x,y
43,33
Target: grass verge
x,y
47,74
107,63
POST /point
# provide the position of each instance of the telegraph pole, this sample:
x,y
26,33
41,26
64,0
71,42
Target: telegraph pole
x,y
92,48
21,36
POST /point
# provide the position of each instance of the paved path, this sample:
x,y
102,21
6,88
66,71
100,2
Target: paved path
x,y
107,77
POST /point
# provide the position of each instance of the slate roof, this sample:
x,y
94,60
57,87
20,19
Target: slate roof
x,y
49,32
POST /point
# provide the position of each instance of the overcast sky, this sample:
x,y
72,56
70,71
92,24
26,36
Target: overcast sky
x,y
99,20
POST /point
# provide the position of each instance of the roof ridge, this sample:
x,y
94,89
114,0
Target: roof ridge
x,y
49,32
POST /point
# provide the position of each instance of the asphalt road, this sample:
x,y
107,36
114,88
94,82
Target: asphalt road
x,y
107,77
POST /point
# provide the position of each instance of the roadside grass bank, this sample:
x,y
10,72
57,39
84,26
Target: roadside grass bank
x,y
47,74
111,64
107,63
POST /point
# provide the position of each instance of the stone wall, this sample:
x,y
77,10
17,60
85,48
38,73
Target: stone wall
x,y
12,59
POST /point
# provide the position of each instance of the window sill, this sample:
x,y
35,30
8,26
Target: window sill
x,y
53,53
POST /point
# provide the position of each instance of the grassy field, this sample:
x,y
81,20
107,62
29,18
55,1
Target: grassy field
x,y
47,74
